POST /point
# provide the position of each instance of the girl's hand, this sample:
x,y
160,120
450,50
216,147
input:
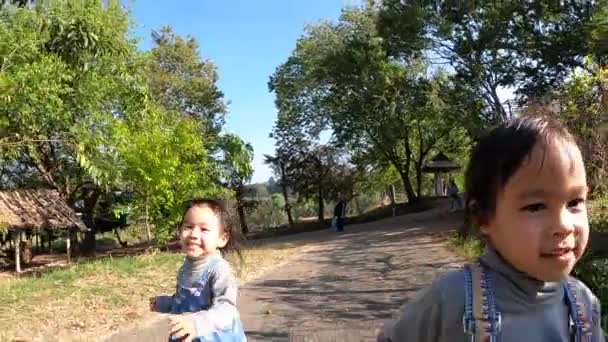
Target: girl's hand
x,y
152,303
181,327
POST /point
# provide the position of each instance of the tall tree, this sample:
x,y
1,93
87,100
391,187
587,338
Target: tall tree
x,y
532,46
66,72
342,77
162,161
320,174
181,80
237,171
279,164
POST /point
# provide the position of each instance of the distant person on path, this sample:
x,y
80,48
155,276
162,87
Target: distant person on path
x,y
340,213
453,194
204,303
526,188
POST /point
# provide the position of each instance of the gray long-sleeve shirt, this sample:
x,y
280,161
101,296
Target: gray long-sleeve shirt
x,y
531,310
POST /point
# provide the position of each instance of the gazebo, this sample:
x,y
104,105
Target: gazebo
x,y
33,211
440,166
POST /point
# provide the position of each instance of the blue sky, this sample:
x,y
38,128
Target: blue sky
x,y
247,40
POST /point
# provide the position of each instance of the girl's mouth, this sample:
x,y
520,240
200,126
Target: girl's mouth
x,y
560,254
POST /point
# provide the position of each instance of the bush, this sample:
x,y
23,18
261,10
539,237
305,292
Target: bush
x,y
468,248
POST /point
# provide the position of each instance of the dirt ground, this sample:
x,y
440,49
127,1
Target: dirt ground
x,y
343,285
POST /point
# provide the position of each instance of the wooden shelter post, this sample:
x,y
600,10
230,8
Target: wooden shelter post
x,y
67,243
17,238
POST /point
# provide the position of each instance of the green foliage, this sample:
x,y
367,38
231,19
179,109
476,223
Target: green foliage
x,y
388,111
79,105
163,161
259,190
530,46
583,110
182,81
598,214
269,212
236,169
65,72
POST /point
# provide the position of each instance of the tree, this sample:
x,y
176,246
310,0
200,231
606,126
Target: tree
x,y
260,190
278,163
320,173
237,172
162,160
78,113
342,77
182,81
66,73
530,45
582,108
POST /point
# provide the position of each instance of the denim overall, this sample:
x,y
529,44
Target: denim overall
x,y
482,322
198,298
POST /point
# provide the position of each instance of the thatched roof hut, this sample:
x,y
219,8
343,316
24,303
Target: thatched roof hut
x,y
37,209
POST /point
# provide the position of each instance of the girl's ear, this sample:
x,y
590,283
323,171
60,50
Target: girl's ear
x,y
223,240
480,218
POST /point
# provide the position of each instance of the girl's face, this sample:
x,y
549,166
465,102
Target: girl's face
x,y
201,233
540,223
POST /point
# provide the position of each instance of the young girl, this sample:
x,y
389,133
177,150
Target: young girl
x,y
527,190
204,303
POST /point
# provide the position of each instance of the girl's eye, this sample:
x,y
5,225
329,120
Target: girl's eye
x,y
534,207
576,202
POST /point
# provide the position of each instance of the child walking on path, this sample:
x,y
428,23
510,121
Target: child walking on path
x,y
526,188
204,303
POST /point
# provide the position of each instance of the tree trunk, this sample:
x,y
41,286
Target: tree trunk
x,y
358,206
409,190
148,233
391,194
419,178
241,210
321,213
405,176
244,227
122,243
286,195
90,202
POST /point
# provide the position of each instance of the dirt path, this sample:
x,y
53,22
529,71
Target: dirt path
x,y
344,285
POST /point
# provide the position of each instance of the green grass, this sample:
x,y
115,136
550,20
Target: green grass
x,y
90,299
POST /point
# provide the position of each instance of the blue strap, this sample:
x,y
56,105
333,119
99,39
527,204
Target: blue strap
x,y
468,320
580,311
481,320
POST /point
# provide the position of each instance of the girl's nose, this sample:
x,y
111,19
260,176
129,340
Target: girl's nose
x,y
196,232
564,223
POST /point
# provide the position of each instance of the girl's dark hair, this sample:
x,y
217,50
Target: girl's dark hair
x,y
228,218
500,153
